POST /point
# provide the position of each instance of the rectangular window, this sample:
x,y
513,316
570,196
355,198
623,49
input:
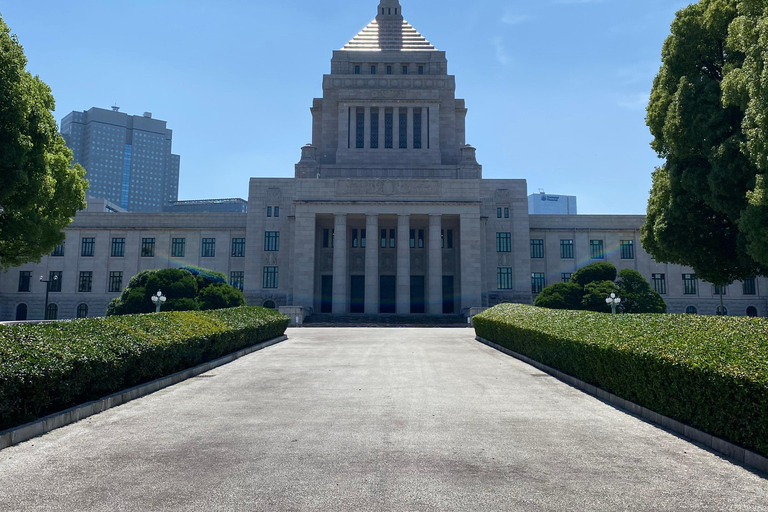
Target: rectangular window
x,y
25,281
566,249
412,239
537,248
748,287
421,239
504,278
416,128
237,279
238,247
272,241
87,247
383,238
659,283
566,277
716,290
596,250
506,213
389,70
503,242
147,247
627,249
326,238
689,284
450,238
392,234
86,281
421,70
498,213
360,128
355,241
58,251
118,247
388,128
362,238
209,248
405,70
374,128
373,70
403,129
277,211
270,277
537,282
269,211
357,70
178,247
116,282
55,276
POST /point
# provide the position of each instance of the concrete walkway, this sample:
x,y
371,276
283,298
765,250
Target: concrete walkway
x,y
371,420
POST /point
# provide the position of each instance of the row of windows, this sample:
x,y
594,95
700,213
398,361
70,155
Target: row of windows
x,y
178,248
51,312
389,69
596,249
273,209
419,116
388,238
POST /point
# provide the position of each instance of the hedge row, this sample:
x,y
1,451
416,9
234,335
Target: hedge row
x,y
708,372
51,367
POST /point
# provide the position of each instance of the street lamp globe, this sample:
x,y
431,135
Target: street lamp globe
x,y
158,300
613,301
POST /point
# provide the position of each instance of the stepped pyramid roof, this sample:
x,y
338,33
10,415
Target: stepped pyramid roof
x,y
389,34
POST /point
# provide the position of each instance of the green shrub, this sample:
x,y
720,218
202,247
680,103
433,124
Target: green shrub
x,y
559,296
708,372
50,367
598,271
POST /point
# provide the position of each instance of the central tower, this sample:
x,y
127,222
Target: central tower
x,y
389,109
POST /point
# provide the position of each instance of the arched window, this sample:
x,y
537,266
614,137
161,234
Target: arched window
x,y
691,310
52,313
82,311
21,312
752,311
722,311
269,304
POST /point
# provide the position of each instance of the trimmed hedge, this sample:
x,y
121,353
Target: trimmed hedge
x,y
50,367
708,372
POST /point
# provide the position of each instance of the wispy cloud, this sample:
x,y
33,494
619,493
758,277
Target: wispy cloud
x,y
515,19
636,101
501,51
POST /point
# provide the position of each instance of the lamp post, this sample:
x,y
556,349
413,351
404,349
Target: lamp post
x,y
158,300
613,301
47,289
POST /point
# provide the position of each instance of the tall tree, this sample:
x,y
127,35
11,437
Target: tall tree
x,y
700,193
40,191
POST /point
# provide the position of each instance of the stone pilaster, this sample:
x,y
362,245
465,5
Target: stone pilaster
x,y
410,128
435,265
372,264
367,129
396,128
382,127
304,261
469,241
340,252
403,265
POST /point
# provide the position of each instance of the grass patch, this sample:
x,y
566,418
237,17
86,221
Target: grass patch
x,y
50,367
706,371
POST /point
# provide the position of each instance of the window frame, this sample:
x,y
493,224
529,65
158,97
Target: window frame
x,y
270,277
504,278
115,284
537,248
87,247
538,282
503,241
85,281
118,247
627,249
659,283
271,241
597,249
25,277
566,249
238,247
178,247
147,247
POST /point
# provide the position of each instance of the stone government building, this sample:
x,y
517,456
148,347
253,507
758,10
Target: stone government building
x,y
387,213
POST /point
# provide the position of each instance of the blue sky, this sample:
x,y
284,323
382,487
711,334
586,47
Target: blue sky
x,y
556,89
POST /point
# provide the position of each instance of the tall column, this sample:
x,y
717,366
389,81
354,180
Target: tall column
x,y
410,127
382,127
340,264
367,129
403,265
469,240
434,127
304,261
435,264
396,128
372,264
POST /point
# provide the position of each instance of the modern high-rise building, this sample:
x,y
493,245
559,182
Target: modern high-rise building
x,y
128,159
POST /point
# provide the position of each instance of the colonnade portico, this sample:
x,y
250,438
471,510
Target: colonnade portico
x,y
403,257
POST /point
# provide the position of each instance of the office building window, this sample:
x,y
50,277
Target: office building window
x,y
118,247
506,213
416,128
752,311
389,70
25,281
86,281
566,277
373,70
326,238
504,278
392,233
748,287
87,247
238,247
566,249
627,249
52,313
147,247
116,281
272,241
421,70
270,277
388,128
374,128
362,238
691,310
537,248
403,129
659,283
405,70
537,282
55,277
689,284
58,251
360,131
446,238
355,240
237,279
82,311
269,211
503,242
412,239
357,69
383,238
178,247
596,251
498,213
717,289
421,238
277,211
208,248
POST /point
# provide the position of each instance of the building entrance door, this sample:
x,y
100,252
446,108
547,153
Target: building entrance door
x,y
387,293
326,294
357,295
448,295
417,294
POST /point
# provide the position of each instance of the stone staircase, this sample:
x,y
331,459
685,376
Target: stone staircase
x,y
325,320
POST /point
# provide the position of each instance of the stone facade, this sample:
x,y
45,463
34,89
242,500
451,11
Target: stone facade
x,y
387,213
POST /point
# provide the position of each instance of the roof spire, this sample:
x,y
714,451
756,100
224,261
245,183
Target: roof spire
x,y
389,8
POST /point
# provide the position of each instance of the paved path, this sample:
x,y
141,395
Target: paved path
x,y
369,420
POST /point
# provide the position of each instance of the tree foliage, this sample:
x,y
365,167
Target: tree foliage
x,y
707,204
559,296
636,294
40,191
598,271
184,290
